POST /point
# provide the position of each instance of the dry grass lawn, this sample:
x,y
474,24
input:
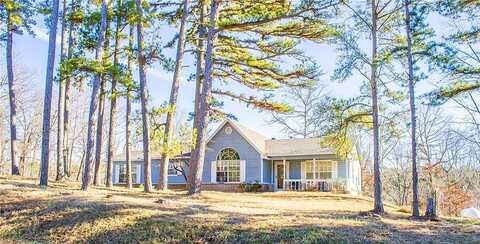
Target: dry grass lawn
x,y
62,213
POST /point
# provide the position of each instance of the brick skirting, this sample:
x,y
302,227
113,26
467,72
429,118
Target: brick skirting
x,y
209,187
170,186
232,187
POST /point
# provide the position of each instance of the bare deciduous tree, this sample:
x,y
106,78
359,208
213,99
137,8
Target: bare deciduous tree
x,y
307,118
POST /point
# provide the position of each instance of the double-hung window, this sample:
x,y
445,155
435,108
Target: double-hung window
x,y
319,170
122,173
228,171
324,170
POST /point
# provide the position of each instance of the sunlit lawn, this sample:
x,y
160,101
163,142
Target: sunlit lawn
x,y
62,213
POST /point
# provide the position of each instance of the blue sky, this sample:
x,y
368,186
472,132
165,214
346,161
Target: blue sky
x,y
33,53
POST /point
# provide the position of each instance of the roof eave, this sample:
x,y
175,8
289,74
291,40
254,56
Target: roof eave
x,y
301,156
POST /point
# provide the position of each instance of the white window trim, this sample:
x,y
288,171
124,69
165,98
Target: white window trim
x,y
139,172
273,172
287,170
303,170
138,169
314,162
261,169
243,171
117,173
334,169
220,151
213,172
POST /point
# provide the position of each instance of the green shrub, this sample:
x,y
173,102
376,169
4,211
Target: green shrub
x,y
251,187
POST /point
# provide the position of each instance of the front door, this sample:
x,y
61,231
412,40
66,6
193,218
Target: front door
x,y
280,176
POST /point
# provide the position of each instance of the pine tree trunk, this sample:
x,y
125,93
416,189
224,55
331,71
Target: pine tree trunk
x,y
128,141
413,119
144,102
101,113
2,155
66,116
15,170
163,179
128,129
198,156
82,162
61,100
99,140
113,100
87,172
199,79
47,103
378,204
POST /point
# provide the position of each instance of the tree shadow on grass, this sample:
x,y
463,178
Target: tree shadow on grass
x,y
51,219
59,218
155,230
72,218
21,186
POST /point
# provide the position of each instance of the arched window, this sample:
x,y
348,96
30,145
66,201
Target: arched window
x,y
228,154
228,166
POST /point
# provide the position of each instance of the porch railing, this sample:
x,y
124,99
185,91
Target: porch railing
x,y
307,185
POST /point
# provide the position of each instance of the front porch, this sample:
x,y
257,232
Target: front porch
x,y
306,175
308,185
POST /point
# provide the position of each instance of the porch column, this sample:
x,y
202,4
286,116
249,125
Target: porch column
x,y
284,174
273,172
314,169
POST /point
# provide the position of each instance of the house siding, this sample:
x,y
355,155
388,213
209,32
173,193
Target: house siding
x,y
341,169
257,166
236,141
295,169
179,179
267,171
117,164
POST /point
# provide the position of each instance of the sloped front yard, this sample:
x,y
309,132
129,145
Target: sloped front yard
x,y
62,213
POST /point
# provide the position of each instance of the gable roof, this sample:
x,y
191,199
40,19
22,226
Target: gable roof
x,y
277,147
266,147
255,139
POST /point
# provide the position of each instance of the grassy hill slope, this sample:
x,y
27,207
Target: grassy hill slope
x,y
62,213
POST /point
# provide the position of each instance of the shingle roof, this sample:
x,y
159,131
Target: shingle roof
x,y
283,147
296,147
255,137
267,147
137,155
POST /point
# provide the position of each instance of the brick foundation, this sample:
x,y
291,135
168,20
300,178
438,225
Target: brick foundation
x,y
211,187
233,187
170,186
